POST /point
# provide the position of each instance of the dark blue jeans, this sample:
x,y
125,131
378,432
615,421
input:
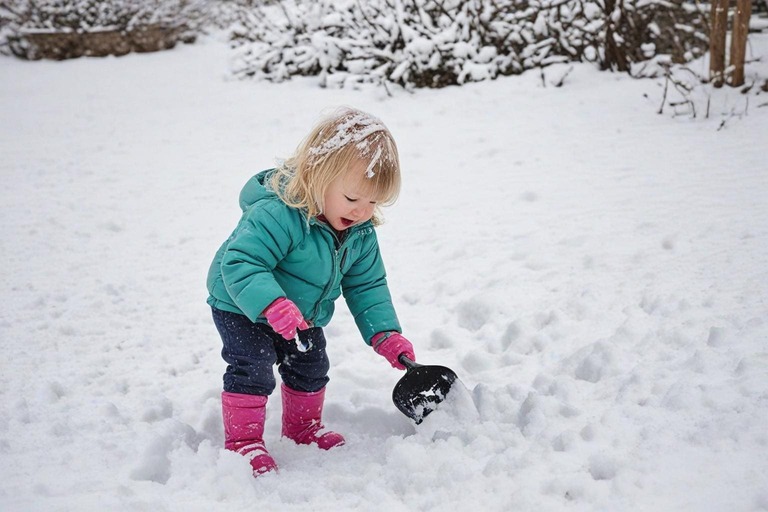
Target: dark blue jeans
x,y
252,349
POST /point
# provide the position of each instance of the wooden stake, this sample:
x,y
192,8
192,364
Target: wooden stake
x,y
739,40
719,20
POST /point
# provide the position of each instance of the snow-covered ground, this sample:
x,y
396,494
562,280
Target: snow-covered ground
x,y
596,273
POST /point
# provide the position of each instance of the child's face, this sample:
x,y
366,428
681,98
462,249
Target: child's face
x,y
347,201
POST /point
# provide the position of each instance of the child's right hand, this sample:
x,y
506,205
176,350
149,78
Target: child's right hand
x,y
284,317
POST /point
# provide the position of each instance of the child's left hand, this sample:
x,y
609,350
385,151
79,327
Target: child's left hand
x,y
391,345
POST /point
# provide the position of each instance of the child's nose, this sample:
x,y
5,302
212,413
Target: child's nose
x,y
363,210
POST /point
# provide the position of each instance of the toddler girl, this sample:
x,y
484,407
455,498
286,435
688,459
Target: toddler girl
x,y
306,237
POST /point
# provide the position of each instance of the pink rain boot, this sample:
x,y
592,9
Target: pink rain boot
x,y
301,419
244,427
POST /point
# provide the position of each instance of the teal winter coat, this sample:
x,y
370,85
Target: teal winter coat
x,y
274,252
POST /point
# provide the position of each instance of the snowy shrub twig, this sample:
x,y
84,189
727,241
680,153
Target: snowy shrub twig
x,y
688,93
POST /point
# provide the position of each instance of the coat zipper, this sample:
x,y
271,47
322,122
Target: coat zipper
x,y
334,272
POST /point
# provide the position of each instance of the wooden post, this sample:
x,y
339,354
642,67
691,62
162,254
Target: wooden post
x,y
739,40
719,15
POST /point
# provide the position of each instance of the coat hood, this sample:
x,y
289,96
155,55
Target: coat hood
x,y
255,189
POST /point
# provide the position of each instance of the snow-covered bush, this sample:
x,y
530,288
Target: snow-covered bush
x,y
434,43
133,25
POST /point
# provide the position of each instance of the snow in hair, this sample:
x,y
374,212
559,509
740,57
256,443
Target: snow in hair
x,y
334,147
350,126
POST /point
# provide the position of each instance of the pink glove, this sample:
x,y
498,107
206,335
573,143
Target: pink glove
x,y
392,345
285,318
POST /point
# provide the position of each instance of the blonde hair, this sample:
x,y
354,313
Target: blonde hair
x,y
333,147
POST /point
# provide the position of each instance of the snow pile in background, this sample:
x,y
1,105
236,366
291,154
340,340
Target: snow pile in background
x,y
593,272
